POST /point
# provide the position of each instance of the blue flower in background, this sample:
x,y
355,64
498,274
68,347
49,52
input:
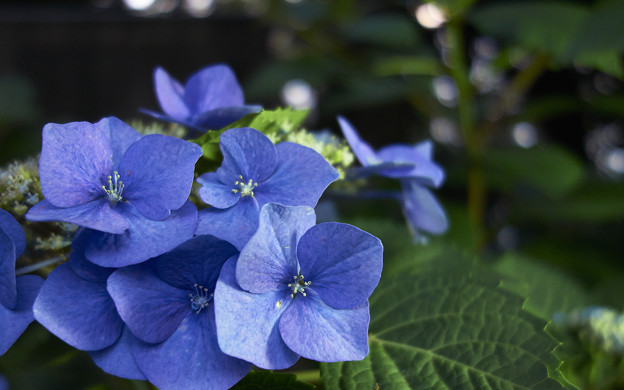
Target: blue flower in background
x,y
16,294
298,289
60,307
129,190
414,167
210,99
255,172
167,303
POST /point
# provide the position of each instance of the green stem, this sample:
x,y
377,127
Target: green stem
x,y
472,138
38,266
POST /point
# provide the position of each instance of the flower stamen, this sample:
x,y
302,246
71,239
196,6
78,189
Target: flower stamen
x,y
115,189
201,299
299,286
245,188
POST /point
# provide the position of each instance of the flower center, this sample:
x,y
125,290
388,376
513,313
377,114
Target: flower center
x,y
245,188
115,188
200,299
298,286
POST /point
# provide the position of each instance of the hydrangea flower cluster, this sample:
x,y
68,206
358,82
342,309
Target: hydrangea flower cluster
x,y
189,299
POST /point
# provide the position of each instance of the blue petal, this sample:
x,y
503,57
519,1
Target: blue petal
x,y
77,311
235,225
342,262
168,118
248,153
143,240
421,208
300,178
212,87
158,173
8,289
318,332
151,308
83,268
120,136
99,214
170,95
14,230
198,260
247,324
426,170
118,359
76,159
221,117
190,358
14,322
215,193
269,260
365,154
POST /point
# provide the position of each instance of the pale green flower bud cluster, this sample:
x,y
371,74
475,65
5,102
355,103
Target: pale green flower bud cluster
x,y
171,129
335,150
20,189
19,186
599,326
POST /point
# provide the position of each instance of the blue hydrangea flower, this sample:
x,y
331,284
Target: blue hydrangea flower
x,y
16,294
255,172
60,307
210,99
298,289
131,189
167,303
414,167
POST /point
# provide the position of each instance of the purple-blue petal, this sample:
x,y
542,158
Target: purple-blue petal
x,y
299,179
426,170
118,359
170,95
151,308
157,172
220,117
235,225
144,238
269,260
212,87
363,151
247,153
14,230
190,358
319,332
100,214
8,289
76,159
198,260
215,193
80,265
120,136
342,262
77,311
422,210
14,322
247,324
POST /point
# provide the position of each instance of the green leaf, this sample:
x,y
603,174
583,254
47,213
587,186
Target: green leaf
x,y
549,168
268,380
449,327
407,65
548,289
523,23
392,31
599,40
